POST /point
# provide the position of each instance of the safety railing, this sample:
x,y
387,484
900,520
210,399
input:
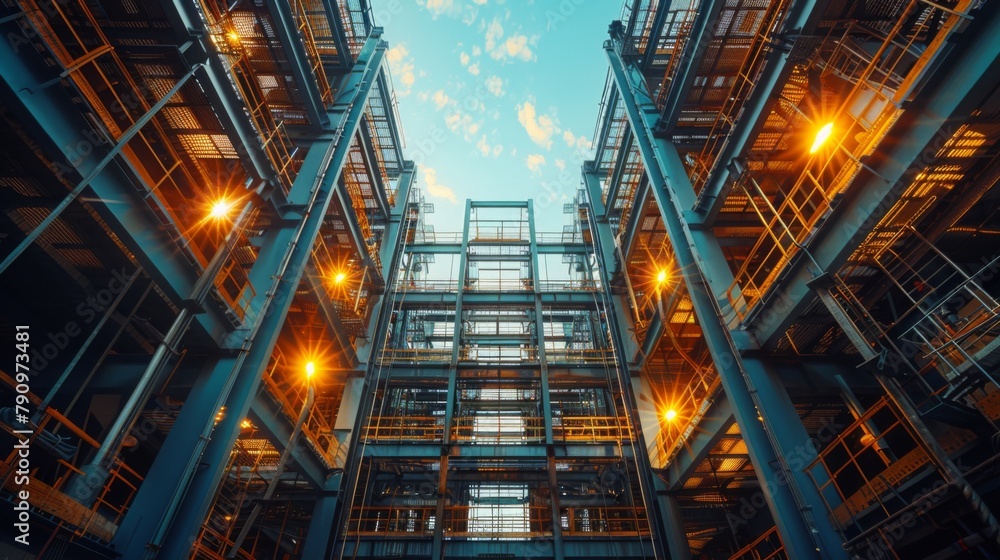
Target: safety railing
x,y
760,38
360,190
499,231
499,285
765,547
498,521
384,429
604,521
498,354
569,285
498,429
558,237
962,333
403,355
288,388
573,356
250,458
864,117
854,477
670,46
415,285
392,521
426,236
113,499
303,11
690,403
231,36
589,429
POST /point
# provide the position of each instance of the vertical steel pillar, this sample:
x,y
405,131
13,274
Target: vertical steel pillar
x,y
449,412
753,392
191,463
543,376
319,536
663,525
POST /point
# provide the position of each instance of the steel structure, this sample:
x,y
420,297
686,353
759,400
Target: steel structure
x,y
497,418
770,328
205,194
797,198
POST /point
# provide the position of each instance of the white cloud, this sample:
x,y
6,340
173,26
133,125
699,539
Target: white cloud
x,y
462,123
535,162
515,46
540,128
560,164
441,99
402,68
438,7
474,69
495,85
486,150
463,58
435,189
476,51
573,141
480,2
468,13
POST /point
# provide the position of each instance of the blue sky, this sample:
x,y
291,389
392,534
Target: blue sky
x,y
497,100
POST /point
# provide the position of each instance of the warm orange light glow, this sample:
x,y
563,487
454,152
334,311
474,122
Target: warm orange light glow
x,y
670,415
310,369
661,277
821,137
339,278
221,209
246,424
233,37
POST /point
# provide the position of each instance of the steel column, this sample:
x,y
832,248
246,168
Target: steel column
x,y
751,390
191,463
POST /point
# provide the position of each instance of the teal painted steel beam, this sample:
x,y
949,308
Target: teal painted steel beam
x,y
169,509
267,415
543,380
707,433
601,232
699,37
53,119
286,29
966,78
751,390
187,24
319,535
803,18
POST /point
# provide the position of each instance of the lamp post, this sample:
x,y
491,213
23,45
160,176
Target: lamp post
x,y
86,487
273,484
